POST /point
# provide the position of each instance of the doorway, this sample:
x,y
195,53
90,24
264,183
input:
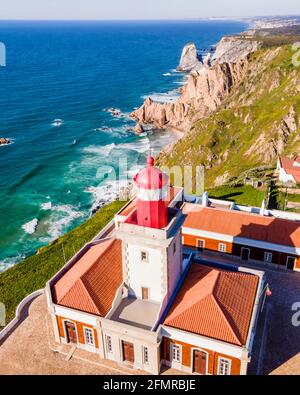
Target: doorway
x,y
71,332
128,352
200,362
290,263
245,254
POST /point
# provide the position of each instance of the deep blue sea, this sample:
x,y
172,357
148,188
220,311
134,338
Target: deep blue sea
x,y
59,78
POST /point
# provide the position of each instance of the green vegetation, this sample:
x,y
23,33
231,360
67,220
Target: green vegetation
x,y
250,129
244,195
32,273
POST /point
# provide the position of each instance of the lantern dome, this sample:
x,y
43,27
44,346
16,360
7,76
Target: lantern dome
x,y
151,177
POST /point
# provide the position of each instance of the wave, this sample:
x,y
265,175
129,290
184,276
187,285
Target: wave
x,y
167,97
106,193
30,227
57,122
104,150
62,216
167,74
143,145
10,262
46,206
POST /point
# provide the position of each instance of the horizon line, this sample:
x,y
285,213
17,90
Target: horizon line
x,y
236,17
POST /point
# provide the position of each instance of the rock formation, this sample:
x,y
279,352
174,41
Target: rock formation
x,y
4,141
139,128
206,89
190,59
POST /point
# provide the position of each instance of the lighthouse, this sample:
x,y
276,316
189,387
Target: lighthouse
x,y
152,189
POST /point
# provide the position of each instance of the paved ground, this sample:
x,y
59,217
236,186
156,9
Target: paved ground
x,y
30,349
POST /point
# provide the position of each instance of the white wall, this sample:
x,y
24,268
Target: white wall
x,y
284,177
145,274
174,263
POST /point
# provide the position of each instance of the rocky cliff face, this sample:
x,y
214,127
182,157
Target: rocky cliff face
x,y
253,108
207,86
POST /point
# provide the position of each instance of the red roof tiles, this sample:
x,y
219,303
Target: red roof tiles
x,y
289,167
215,303
241,224
91,283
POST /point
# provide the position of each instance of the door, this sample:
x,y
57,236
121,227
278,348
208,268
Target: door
x,y
245,254
145,293
290,263
71,332
128,352
200,362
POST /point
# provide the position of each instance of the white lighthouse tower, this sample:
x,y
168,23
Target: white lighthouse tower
x,y
151,239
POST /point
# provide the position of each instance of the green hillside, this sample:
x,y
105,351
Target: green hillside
x,y
256,123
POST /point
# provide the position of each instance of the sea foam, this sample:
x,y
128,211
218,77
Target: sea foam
x,y
30,227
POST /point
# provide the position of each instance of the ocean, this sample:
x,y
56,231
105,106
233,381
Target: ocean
x,y
59,82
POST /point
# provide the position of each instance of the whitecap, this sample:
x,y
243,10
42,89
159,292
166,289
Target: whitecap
x,y
104,150
30,227
46,206
142,145
167,74
10,262
57,122
62,216
167,97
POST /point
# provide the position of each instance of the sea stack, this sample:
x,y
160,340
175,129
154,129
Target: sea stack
x,y
190,59
4,141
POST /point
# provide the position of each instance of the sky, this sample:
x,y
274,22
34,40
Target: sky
x,y
143,9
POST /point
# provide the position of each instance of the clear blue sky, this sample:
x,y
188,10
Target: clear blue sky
x,y
143,9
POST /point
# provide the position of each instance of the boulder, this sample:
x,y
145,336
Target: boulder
x,y
4,141
139,128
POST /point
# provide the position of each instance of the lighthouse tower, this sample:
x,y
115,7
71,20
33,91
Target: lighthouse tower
x,y
151,240
152,184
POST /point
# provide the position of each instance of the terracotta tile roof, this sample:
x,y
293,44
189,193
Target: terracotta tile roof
x,y
215,303
288,165
91,283
241,224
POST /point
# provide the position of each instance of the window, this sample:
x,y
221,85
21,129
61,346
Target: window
x,y
89,336
268,257
145,293
146,355
174,248
224,367
222,247
109,344
182,239
144,256
200,245
175,353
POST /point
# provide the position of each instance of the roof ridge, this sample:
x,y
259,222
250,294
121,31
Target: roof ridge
x,y
220,308
88,294
111,242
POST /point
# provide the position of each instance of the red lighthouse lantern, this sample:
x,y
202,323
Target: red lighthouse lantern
x,y
152,184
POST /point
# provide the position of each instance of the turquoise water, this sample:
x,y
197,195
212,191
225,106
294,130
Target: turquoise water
x,y
56,172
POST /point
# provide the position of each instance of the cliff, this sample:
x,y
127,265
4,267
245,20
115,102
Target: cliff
x,y
209,83
243,114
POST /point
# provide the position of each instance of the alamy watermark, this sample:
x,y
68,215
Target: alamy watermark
x,y
2,55
190,178
296,316
296,56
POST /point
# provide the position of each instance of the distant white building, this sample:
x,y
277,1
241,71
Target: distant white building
x,y
289,170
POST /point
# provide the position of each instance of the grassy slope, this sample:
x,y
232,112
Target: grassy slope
x,y
221,141
32,273
243,195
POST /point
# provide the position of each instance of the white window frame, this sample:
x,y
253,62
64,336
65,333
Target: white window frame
x,y
91,330
177,347
182,239
249,253
202,241
146,260
192,359
268,254
222,247
108,344
226,360
146,357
